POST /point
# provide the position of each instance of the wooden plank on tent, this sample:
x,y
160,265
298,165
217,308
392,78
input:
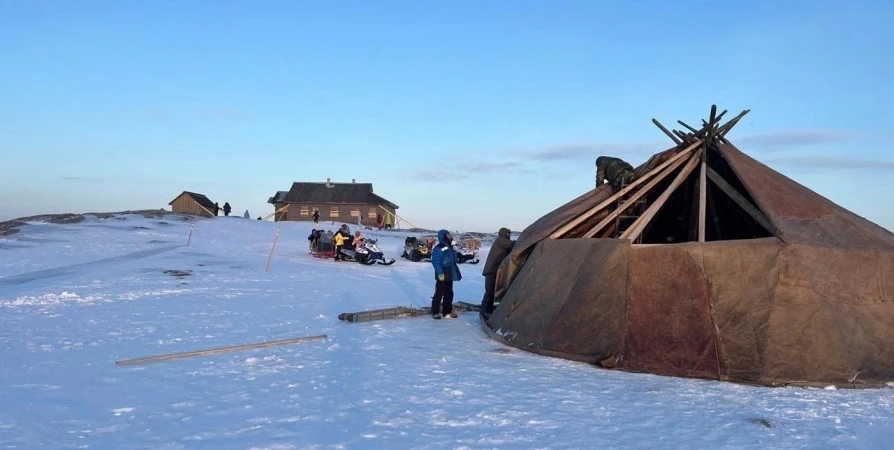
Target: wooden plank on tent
x,y
594,210
702,197
731,192
633,232
645,189
703,184
665,130
214,351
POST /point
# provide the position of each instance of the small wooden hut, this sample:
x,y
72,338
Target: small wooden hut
x,y
192,203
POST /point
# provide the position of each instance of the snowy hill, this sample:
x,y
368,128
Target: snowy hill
x,y
76,297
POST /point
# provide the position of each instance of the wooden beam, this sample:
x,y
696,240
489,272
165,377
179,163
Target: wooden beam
x,y
692,220
397,217
634,231
722,131
687,126
594,210
668,133
214,351
702,182
275,212
731,192
643,191
702,199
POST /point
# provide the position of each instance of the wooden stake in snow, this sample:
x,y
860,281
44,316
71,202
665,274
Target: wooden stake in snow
x,y
271,249
215,351
192,227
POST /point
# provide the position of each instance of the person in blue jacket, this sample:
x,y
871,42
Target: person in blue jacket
x,y
443,258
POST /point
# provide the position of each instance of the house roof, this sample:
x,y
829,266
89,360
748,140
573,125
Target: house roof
x,y
199,198
278,198
339,193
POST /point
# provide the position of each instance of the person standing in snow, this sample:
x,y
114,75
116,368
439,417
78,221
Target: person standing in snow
x,y
227,208
358,240
495,256
341,236
216,209
246,215
443,258
316,216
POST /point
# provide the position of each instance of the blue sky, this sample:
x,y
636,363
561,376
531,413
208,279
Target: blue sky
x,y
467,114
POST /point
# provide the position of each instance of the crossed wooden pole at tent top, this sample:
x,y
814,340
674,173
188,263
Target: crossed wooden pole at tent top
x,y
692,149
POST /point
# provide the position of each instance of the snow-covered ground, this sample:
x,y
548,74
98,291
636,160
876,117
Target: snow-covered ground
x,y
75,298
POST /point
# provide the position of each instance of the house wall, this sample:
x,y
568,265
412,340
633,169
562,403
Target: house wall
x,y
339,213
279,216
185,204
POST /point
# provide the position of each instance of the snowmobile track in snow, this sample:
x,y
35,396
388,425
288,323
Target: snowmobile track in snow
x,y
65,270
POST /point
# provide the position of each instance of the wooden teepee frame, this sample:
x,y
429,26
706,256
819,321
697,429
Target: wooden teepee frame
x,y
691,152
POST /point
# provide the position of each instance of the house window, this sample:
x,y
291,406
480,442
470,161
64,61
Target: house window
x,y
333,212
355,212
305,211
372,212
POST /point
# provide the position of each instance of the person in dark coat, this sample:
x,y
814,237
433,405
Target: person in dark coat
x,y
443,258
316,216
495,256
613,170
216,209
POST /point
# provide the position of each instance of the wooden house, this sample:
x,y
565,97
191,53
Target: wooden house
x,y
192,203
336,202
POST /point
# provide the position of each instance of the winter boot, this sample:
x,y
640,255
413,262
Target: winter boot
x,y
436,316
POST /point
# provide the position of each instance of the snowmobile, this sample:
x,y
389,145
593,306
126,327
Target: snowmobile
x,y
416,249
368,253
466,254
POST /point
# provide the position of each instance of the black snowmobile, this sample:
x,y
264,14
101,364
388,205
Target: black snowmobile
x,y
416,249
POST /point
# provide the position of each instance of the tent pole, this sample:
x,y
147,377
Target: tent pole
x,y
702,182
702,197
634,231
596,209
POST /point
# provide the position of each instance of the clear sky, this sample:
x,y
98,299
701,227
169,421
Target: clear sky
x,y
467,114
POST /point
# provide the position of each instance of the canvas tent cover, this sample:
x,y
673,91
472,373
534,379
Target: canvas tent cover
x,y
806,302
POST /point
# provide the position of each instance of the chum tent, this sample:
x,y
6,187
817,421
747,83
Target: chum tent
x,y
709,265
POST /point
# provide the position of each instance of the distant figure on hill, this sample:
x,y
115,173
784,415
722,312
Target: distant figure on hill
x,y
316,216
443,258
227,208
495,256
246,215
216,209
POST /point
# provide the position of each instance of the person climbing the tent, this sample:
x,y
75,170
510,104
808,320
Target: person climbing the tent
x,y
615,171
499,250
443,258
